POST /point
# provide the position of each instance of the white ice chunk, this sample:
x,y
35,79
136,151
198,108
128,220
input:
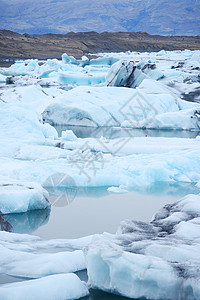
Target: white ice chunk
x,y
62,287
36,265
68,135
18,196
121,189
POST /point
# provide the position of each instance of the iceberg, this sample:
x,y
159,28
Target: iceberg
x,y
66,59
143,107
156,260
127,73
124,73
20,68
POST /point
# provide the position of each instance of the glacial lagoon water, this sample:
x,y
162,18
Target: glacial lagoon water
x,y
77,212
118,132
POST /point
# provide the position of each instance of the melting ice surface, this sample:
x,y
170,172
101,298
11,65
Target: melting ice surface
x,y
129,145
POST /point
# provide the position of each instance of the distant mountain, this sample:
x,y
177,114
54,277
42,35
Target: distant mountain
x,y
166,17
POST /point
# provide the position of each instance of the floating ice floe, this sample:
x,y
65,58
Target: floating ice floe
x,y
36,265
62,287
22,256
18,196
156,260
121,189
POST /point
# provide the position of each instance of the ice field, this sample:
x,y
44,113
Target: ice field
x,y
143,112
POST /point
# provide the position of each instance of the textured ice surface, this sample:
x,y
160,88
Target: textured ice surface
x,y
21,124
116,106
127,73
30,243
27,256
156,260
62,287
36,265
18,196
139,161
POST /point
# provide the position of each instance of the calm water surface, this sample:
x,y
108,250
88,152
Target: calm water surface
x,y
84,211
118,132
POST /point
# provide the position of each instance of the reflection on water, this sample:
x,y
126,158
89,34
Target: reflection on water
x,y
5,225
95,210
174,189
92,210
99,295
25,222
63,196
118,132
96,294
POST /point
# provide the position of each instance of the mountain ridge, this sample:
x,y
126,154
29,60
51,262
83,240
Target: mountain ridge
x,y
62,16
